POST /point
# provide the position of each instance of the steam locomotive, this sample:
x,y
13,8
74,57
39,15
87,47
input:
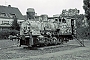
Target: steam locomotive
x,y
47,31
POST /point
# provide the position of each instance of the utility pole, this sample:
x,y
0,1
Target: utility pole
x,y
5,2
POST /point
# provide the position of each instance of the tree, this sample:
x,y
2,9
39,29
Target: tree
x,y
86,7
15,25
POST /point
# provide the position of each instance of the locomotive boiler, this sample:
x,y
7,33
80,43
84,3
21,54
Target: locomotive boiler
x,y
36,33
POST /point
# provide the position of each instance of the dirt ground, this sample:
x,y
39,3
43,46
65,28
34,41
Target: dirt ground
x,y
68,51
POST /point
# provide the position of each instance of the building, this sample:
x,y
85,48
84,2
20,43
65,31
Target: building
x,y
6,16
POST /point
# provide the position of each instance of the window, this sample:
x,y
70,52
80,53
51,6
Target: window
x,y
5,23
63,20
72,21
3,15
12,15
59,20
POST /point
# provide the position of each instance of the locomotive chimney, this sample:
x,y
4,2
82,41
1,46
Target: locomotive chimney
x,y
30,13
9,5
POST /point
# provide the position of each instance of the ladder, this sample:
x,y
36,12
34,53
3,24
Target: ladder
x,y
81,42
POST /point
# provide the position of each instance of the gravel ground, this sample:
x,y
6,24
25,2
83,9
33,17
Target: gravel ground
x,y
68,51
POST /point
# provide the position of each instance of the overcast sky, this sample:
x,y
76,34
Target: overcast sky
x,y
49,7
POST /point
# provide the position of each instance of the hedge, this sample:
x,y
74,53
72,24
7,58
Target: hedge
x,y
4,34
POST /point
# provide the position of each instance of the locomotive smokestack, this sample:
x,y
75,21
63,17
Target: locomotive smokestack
x,y
30,13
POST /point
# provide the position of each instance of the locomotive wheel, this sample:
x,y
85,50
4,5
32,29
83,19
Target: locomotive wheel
x,y
66,40
54,40
47,41
60,41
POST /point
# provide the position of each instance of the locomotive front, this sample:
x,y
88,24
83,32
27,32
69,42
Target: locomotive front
x,y
29,31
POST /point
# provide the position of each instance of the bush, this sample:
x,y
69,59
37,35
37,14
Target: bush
x,y
14,32
83,33
4,34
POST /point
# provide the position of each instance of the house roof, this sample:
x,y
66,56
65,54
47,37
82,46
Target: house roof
x,y
10,10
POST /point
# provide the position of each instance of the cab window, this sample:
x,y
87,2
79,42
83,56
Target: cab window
x,y
59,20
63,20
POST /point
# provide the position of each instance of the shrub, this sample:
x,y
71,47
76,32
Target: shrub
x,y
4,34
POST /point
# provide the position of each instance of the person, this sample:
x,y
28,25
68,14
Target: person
x,y
10,37
17,39
17,36
31,38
